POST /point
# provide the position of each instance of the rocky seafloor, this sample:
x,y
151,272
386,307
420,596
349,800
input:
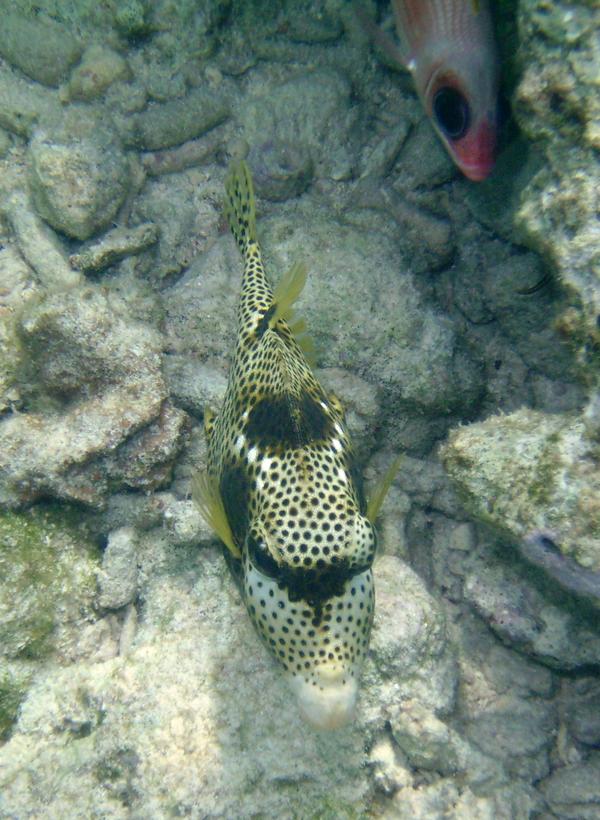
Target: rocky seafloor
x,y
457,322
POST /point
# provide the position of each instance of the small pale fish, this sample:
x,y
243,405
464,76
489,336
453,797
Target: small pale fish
x,y
449,48
283,494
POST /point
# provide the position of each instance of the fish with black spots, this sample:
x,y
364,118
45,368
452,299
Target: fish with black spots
x,y
282,490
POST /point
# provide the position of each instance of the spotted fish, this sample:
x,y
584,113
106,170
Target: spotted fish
x,y
283,494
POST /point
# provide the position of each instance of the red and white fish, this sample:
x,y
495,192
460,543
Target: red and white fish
x,y
448,46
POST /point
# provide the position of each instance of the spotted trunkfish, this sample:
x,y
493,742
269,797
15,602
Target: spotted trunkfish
x,y
283,493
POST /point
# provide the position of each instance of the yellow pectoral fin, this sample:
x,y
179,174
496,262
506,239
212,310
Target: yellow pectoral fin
x,y
380,491
307,346
287,291
337,405
209,422
298,327
205,492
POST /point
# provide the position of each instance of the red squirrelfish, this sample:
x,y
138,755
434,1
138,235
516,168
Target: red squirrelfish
x,y
448,46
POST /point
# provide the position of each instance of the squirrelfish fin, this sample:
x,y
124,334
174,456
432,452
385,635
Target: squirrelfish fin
x,y
380,491
240,207
206,494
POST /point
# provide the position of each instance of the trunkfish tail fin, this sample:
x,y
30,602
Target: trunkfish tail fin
x,y
240,208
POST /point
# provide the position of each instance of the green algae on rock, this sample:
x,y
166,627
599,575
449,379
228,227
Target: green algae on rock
x,y
131,19
98,415
114,246
42,48
10,361
99,68
40,247
12,275
164,125
23,104
179,687
13,688
5,143
557,105
308,115
17,289
78,172
573,791
49,569
531,472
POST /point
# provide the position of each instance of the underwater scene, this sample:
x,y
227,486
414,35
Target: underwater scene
x,y
299,409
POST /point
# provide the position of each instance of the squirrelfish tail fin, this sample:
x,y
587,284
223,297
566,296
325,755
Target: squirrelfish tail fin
x,y
240,208
380,491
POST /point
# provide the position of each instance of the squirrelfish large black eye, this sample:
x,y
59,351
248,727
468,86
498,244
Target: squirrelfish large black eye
x,y
452,113
261,557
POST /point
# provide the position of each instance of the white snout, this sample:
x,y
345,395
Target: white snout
x,y
327,701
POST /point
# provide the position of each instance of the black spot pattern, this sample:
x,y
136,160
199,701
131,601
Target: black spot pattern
x,y
303,638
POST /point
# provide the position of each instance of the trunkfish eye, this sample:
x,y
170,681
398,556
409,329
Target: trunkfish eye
x,y
452,113
261,557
